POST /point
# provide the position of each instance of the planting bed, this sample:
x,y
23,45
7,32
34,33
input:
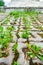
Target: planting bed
x,y
21,35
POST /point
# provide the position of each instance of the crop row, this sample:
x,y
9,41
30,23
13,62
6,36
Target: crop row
x,y
6,37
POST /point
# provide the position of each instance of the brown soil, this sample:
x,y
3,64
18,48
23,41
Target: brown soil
x,y
16,56
3,63
38,27
41,35
32,35
17,35
35,23
14,22
24,27
25,50
41,22
37,63
42,50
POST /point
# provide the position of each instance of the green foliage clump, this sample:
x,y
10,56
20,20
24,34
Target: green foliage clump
x,y
1,3
15,63
15,14
26,32
5,37
10,28
3,54
34,51
6,20
14,48
1,29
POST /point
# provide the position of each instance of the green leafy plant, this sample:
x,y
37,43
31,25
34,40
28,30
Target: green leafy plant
x,y
15,63
1,29
10,28
6,20
3,54
15,14
33,13
14,48
0,54
5,38
26,32
34,51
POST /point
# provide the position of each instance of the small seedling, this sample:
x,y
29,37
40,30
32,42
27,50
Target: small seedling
x,y
14,48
